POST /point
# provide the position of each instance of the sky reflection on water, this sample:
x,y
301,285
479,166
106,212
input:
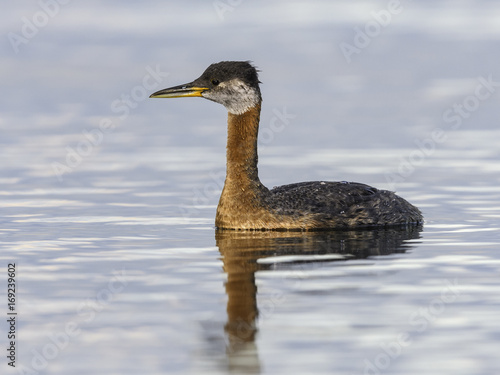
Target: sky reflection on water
x,y
112,227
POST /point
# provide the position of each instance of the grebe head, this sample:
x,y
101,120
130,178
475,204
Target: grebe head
x,y
234,84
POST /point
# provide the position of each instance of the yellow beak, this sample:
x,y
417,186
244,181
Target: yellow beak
x,y
181,91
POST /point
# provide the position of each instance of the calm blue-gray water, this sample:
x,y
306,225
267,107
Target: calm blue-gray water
x,y
108,198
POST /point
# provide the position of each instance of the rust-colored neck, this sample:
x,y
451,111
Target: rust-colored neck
x,y
242,131
241,202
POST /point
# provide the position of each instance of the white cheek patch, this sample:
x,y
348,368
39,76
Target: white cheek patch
x,y
235,95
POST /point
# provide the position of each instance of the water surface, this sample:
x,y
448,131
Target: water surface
x,y
119,267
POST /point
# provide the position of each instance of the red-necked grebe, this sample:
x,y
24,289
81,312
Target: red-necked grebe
x,y
246,203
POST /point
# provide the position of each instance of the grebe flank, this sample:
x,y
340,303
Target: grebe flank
x,y
246,204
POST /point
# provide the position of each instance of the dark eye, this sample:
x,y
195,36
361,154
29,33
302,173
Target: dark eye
x,y
215,82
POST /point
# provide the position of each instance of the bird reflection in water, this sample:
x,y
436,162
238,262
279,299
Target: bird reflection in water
x,y
244,253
